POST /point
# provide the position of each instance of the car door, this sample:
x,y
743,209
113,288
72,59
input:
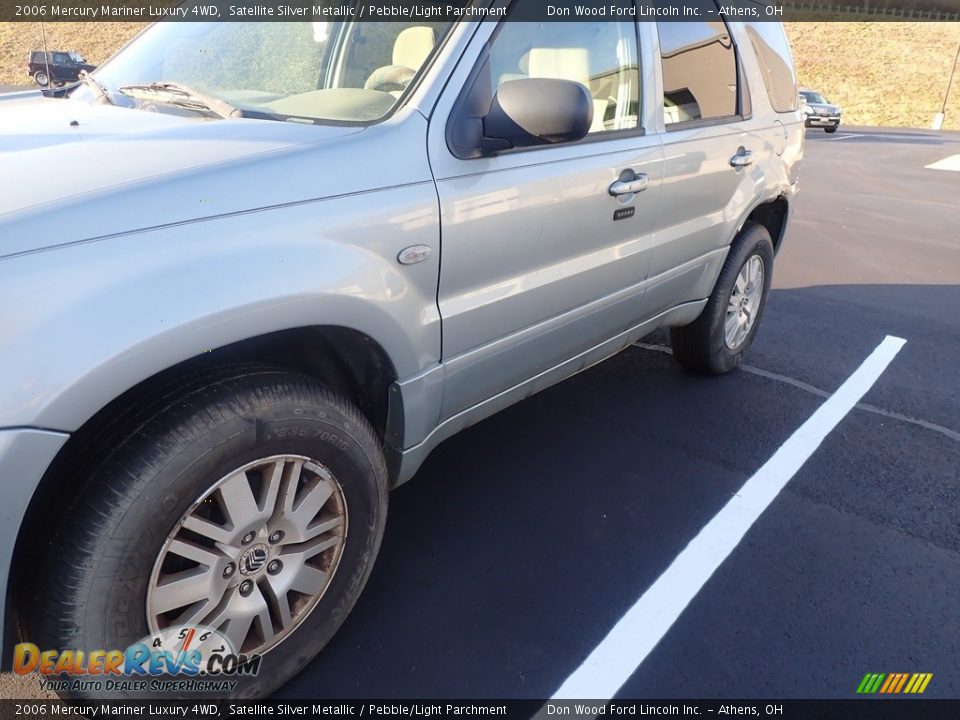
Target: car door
x,y
709,146
61,67
540,262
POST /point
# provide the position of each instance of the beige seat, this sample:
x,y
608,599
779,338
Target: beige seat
x,y
566,64
413,46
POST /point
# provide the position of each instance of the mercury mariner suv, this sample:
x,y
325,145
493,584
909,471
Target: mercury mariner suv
x,y
279,263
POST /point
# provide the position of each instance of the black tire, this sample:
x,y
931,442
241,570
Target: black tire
x,y
92,592
40,77
701,346
831,129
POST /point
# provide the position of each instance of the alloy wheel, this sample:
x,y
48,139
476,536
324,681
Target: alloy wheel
x,y
254,554
744,302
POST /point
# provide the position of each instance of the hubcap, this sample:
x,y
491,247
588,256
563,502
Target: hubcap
x,y
254,554
744,302
254,559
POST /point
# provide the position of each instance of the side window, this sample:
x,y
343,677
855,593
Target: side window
x,y
699,71
601,56
776,64
61,58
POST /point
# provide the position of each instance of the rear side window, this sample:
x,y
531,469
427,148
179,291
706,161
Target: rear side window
x,y
699,71
776,64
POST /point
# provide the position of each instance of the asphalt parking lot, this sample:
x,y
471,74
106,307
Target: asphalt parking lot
x,y
524,539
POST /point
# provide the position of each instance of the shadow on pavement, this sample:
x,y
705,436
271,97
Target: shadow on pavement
x,y
523,539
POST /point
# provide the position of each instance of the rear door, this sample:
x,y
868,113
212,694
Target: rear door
x,y
539,261
710,143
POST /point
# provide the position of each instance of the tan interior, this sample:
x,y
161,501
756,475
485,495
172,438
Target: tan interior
x,y
413,46
566,64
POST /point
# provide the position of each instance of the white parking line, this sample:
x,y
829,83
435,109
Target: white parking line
x,y
620,653
807,387
948,163
847,136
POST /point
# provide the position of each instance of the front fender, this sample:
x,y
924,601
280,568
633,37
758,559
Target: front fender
x,y
87,322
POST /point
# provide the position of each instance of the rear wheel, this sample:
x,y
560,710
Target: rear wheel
x,y
40,77
253,506
717,341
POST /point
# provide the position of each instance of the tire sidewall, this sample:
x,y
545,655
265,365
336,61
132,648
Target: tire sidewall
x,y
141,526
753,240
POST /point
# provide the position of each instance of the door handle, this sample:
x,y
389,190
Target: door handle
x,y
629,187
742,158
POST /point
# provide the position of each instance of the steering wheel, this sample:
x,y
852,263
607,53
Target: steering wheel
x,y
390,78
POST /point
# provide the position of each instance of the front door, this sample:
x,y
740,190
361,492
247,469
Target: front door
x,y
540,262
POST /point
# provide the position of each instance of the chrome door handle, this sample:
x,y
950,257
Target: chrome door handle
x,y
629,187
742,158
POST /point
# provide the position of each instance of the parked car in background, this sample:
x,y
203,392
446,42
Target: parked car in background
x,y
56,67
819,112
235,327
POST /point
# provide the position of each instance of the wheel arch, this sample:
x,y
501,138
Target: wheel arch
x,y
773,215
348,360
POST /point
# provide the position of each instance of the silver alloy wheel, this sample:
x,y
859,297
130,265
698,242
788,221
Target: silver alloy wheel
x,y
253,555
744,302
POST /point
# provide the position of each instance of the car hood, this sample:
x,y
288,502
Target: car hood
x,y
116,170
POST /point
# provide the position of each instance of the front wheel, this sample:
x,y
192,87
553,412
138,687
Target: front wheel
x,y
832,129
250,509
717,341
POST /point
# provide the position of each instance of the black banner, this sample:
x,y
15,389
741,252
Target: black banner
x,y
865,709
451,10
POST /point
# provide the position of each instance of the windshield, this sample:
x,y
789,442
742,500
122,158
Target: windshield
x,y
812,97
314,71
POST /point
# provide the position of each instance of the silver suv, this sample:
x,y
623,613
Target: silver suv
x,y
254,273
817,112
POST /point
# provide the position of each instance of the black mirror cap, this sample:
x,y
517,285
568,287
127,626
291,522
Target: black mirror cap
x,y
537,111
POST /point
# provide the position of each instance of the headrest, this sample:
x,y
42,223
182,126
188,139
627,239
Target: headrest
x,y
413,45
560,64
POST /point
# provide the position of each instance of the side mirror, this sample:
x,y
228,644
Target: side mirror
x,y
537,111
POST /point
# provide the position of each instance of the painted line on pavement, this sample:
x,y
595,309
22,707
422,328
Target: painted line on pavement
x,y
626,646
951,163
813,390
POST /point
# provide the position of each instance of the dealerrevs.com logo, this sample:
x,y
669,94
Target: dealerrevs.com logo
x,y
178,659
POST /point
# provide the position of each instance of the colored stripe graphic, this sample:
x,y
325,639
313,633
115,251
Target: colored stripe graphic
x,y
894,683
903,681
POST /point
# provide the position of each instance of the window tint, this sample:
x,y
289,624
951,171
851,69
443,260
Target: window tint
x,y
776,64
61,58
601,56
699,71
